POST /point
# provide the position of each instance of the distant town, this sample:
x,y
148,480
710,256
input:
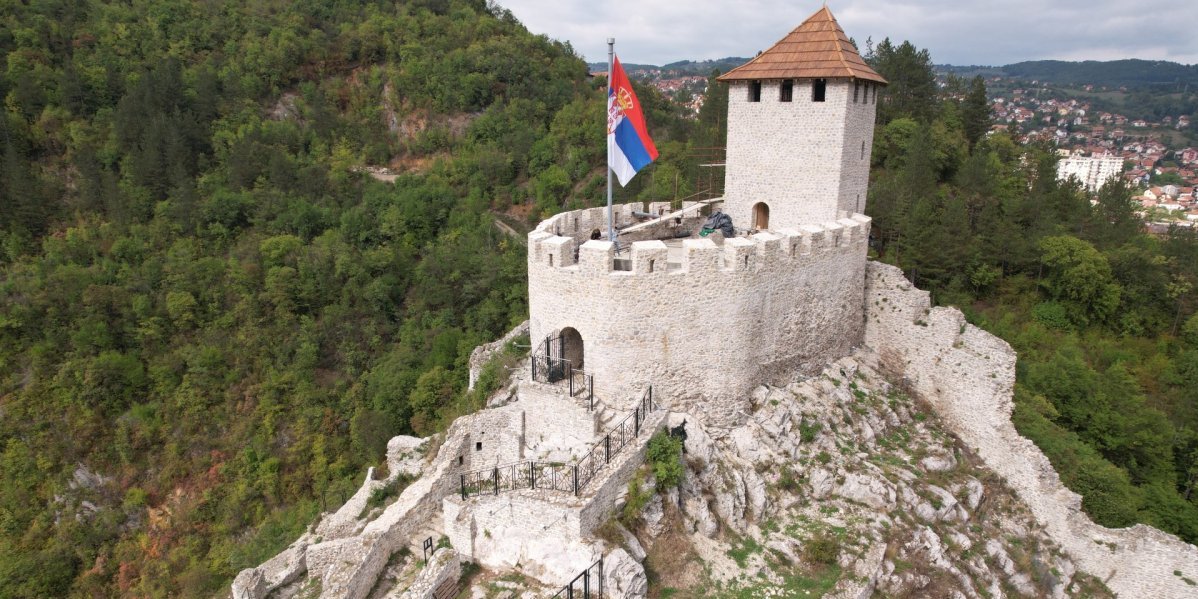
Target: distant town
x,y
1157,156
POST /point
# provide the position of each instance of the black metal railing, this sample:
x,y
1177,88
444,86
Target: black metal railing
x,y
582,384
548,369
555,476
587,585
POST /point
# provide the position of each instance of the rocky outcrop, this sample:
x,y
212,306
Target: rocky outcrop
x,y
967,376
845,485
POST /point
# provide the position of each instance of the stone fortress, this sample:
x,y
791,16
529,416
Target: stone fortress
x,y
661,326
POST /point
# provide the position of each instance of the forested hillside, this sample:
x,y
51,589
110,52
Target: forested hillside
x,y
210,323
1102,314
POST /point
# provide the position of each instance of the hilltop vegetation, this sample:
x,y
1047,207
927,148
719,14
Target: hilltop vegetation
x,y
210,323
1102,314
210,326
1131,73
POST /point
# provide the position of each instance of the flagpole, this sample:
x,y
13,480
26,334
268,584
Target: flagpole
x,y
611,65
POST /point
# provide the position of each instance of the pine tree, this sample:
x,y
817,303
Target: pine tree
x,y
975,111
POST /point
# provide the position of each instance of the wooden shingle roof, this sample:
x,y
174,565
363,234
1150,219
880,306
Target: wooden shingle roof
x,y
816,49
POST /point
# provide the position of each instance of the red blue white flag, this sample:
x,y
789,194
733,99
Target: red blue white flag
x,y
629,147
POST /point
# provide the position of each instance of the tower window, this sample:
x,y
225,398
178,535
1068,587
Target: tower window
x,y
754,91
819,90
863,149
857,90
786,91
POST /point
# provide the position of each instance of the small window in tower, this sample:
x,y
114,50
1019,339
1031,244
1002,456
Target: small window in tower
x,y
787,91
754,91
819,90
478,446
856,90
863,149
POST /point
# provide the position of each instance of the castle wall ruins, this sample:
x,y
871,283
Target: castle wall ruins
x,y
706,329
548,532
968,377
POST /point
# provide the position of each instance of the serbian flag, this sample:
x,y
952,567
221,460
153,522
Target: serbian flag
x,y
629,147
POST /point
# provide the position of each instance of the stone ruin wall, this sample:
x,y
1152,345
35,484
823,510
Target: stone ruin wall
x,y
483,353
968,377
548,533
707,331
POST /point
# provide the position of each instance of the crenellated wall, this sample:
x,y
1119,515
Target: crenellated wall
x,y
707,327
968,376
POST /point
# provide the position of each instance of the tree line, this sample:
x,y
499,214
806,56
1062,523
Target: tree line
x,y
1100,312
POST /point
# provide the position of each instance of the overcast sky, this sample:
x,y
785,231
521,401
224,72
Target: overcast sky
x,y
957,32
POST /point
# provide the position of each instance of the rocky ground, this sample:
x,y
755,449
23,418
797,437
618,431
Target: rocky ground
x,y
842,485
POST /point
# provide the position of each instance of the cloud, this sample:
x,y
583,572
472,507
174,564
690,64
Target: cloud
x,y
953,31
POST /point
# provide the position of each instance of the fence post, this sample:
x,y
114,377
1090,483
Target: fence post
x,y
601,577
636,422
591,391
463,477
495,478
532,475
607,448
575,469
586,583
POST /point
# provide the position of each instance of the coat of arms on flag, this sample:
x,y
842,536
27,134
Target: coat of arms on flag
x,y
629,147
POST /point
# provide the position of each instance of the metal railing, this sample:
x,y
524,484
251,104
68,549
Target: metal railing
x,y
547,369
555,476
582,384
587,585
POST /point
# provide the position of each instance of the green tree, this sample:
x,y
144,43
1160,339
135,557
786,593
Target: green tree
x,y
975,111
1079,276
912,84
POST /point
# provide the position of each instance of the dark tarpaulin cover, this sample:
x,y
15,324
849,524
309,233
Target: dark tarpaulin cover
x,y
721,221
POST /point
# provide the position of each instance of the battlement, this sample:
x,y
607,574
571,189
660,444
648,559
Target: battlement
x,y
703,319
673,257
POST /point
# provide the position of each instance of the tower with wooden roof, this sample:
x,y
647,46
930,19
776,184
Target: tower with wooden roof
x,y
800,129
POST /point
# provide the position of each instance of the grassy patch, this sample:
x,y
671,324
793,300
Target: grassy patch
x,y
741,550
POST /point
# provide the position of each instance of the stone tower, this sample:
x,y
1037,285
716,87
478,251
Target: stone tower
x,y
800,130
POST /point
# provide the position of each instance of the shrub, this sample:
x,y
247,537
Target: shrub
x,y
823,548
665,457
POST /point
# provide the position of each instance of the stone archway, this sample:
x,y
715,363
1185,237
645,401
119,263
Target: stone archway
x,y
761,216
572,348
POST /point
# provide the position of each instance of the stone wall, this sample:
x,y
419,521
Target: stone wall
x,y
492,438
708,329
557,427
483,353
550,534
442,566
802,158
968,377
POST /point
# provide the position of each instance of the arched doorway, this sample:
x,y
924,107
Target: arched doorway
x,y
572,348
761,216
